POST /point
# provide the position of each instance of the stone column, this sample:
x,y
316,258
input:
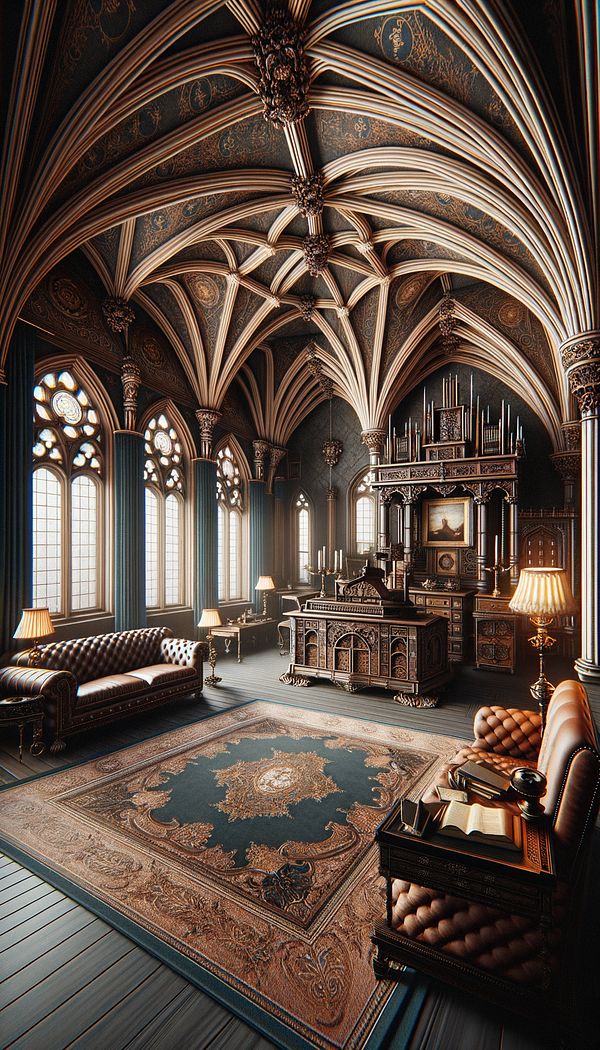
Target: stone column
x,y
408,510
261,455
581,361
207,421
513,539
480,503
384,538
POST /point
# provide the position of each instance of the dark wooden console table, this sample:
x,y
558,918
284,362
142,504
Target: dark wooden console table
x,y
252,632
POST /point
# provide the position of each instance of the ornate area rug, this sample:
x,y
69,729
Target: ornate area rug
x,y
240,850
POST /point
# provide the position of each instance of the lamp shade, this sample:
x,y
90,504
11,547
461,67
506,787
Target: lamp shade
x,y
210,618
543,592
34,623
265,583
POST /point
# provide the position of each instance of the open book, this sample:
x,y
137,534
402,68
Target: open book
x,y
492,827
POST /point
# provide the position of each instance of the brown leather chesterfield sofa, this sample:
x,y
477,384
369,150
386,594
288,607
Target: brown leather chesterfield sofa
x,y
91,681
478,948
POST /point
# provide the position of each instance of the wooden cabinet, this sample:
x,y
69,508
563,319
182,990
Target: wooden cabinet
x,y
495,634
457,608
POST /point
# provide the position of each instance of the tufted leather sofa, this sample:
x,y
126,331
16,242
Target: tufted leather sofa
x,y
92,681
508,958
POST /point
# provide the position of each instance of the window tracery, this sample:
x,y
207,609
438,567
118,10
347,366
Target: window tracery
x,y
164,477
230,526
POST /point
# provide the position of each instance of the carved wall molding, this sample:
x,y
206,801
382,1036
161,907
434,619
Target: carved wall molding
x,y
131,377
567,465
118,314
283,67
207,421
316,253
308,194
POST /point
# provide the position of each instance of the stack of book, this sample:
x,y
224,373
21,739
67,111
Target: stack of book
x,y
481,779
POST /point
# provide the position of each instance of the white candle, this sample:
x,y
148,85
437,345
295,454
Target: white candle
x,y
319,559
335,561
496,551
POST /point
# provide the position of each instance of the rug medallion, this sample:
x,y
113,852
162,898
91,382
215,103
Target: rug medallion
x,y
245,843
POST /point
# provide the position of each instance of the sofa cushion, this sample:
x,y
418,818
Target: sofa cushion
x,y
101,654
109,687
159,674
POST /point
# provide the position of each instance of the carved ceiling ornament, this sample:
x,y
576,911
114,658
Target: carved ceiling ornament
x,y
308,194
316,253
307,306
332,451
283,67
118,314
315,367
131,377
207,421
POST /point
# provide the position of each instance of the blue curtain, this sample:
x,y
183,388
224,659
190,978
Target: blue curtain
x,y
261,537
16,470
130,583
205,553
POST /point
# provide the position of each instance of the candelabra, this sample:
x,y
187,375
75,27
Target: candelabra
x,y
498,571
323,572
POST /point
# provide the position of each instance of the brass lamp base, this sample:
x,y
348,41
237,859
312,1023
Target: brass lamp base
x,y
542,690
212,678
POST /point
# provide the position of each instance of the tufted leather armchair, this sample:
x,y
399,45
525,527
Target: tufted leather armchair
x,y
506,957
95,680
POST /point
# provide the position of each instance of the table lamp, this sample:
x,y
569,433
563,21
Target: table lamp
x,y
33,625
543,594
264,584
211,618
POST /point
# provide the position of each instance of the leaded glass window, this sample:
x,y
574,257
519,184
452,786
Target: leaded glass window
x,y
164,474
302,513
230,524
364,516
67,496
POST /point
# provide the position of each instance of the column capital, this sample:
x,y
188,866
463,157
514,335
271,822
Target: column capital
x,y
276,454
374,440
580,357
567,465
207,421
131,377
262,449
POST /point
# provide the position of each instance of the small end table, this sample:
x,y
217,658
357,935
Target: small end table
x,y
20,711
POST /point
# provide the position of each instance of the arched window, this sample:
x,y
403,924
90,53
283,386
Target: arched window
x,y
67,497
302,537
363,516
231,548
164,506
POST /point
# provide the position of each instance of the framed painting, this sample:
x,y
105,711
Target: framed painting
x,y
447,522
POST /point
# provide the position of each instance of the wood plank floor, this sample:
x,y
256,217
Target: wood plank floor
x,y
67,979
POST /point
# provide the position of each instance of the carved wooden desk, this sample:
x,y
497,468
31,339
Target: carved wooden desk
x,y
495,634
519,884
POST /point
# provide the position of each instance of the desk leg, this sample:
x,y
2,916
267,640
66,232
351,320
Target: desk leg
x,y
37,744
21,727
240,647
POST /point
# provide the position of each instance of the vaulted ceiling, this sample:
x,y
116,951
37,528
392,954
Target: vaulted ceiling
x,y
454,148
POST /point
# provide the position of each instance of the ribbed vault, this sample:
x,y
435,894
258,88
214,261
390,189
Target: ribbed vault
x,y
448,163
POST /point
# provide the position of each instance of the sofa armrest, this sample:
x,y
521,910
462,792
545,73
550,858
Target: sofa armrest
x,y
508,731
183,652
31,681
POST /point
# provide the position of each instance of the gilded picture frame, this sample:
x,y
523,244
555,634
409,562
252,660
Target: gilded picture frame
x,y
447,522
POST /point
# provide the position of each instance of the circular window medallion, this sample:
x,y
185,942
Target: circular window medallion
x,y
67,407
163,443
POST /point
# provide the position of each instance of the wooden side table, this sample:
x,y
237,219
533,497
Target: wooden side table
x,y
21,711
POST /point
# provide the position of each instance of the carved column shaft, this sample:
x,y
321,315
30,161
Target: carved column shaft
x,y
481,543
261,454
384,525
131,377
581,361
408,512
513,540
